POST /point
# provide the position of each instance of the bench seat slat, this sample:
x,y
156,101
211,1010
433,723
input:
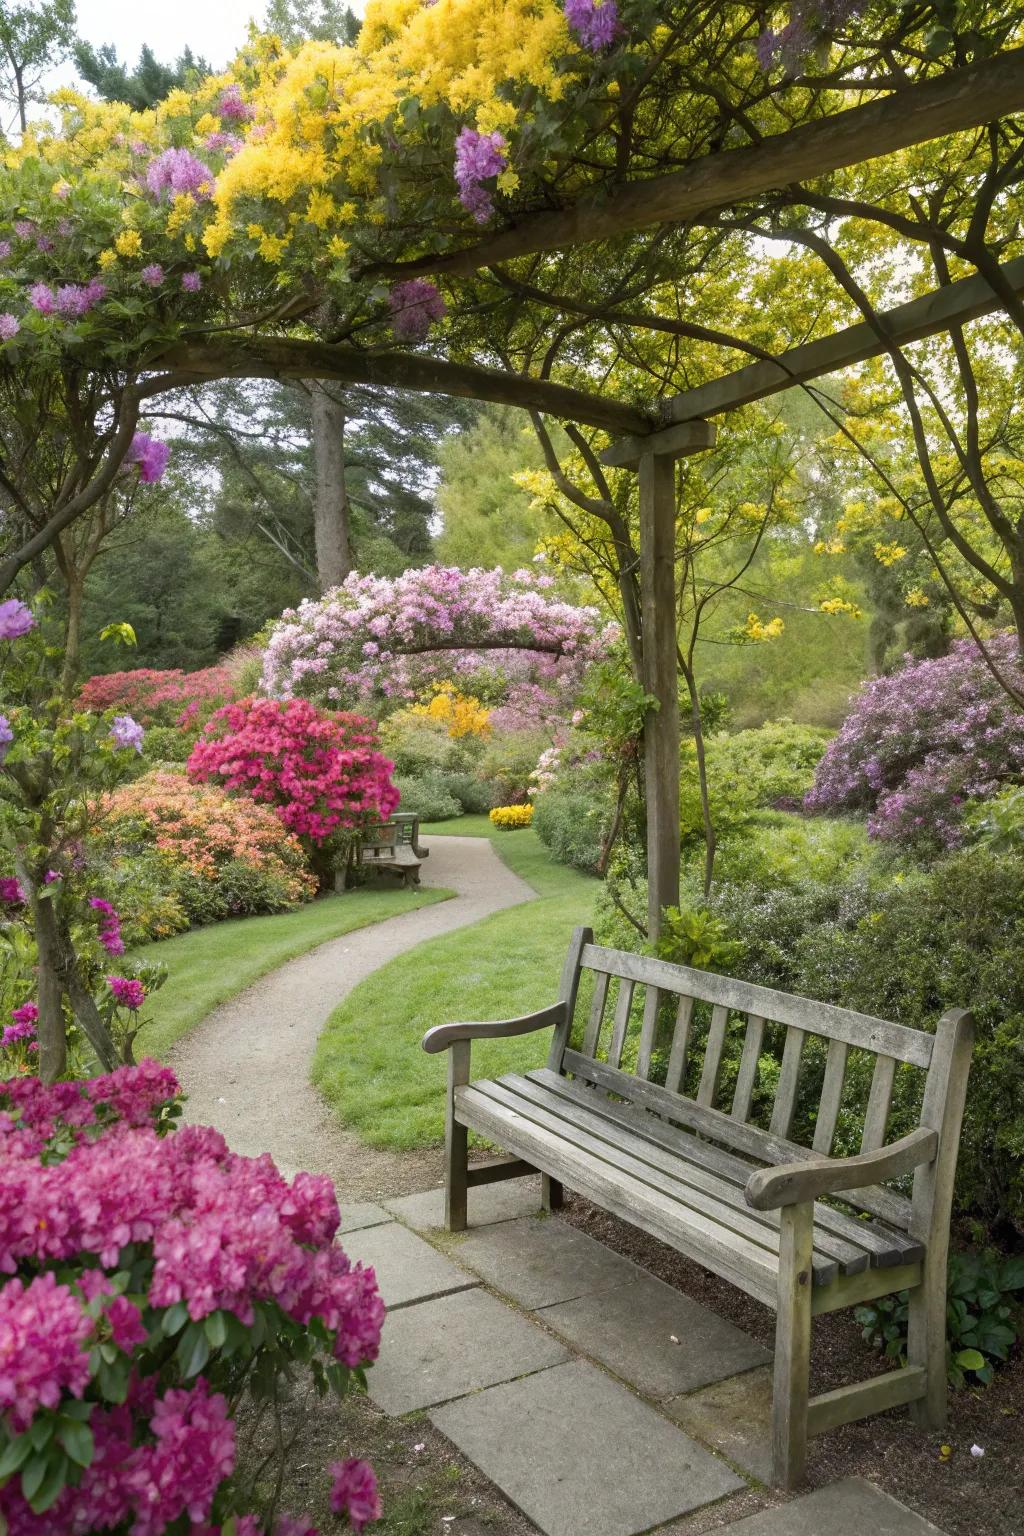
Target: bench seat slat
x,y
703,1188
891,1208
885,1246
743,1263
910,1045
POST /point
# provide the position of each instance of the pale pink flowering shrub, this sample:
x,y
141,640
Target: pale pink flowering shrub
x,y
159,697
321,772
379,642
149,1272
919,746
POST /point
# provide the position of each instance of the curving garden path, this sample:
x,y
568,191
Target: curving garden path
x,y
246,1067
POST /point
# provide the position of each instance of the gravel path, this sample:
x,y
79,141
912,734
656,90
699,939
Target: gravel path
x,y
246,1067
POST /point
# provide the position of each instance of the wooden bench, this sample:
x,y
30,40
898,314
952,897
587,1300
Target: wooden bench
x,y
608,1117
389,847
408,824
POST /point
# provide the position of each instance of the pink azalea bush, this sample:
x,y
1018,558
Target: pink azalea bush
x,y
155,697
922,744
321,772
149,1273
376,642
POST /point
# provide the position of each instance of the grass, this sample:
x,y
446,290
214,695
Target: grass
x,y
369,1065
210,965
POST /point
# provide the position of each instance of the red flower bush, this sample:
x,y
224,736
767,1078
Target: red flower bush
x,y
159,698
321,772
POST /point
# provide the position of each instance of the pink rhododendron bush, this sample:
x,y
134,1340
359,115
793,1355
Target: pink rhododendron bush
x,y
169,697
378,642
320,771
149,1276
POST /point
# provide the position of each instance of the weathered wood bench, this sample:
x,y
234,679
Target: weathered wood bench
x,y
389,847
745,1202
408,824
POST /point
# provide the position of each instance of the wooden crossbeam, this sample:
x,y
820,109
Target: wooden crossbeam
x,y
967,299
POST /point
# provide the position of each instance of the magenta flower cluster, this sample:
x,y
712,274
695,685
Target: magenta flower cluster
x,y
71,301
232,106
22,1025
921,744
176,171
382,637
210,1232
110,926
596,24
150,455
16,619
128,993
415,305
478,157
11,893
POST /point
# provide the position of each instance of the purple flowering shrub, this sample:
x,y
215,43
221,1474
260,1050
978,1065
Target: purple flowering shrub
x,y
922,744
149,1274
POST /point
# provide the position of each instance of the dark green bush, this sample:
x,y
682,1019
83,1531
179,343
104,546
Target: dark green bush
x,y
428,796
475,795
240,890
573,825
774,763
167,744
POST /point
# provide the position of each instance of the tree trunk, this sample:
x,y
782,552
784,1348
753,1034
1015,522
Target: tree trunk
x,y
330,503
73,637
661,681
710,842
50,1031
88,1016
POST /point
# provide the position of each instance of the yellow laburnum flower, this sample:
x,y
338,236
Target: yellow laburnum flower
x,y
321,209
460,713
273,247
208,123
338,248
254,231
129,242
495,116
915,598
182,210
888,554
176,103
702,515
508,182
755,629
829,547
836,605
107,259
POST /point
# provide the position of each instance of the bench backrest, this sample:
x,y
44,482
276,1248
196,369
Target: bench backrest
x,y
627,1048
380,834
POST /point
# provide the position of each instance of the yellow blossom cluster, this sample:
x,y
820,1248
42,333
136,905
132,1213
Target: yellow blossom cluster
x,y
460,713
889,554
757,629
835,605
915,598
511,818
830,547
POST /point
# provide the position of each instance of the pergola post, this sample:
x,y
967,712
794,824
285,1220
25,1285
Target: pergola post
x,y
655,467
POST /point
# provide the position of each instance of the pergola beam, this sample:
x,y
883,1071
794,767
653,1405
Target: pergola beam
x,y
967,299
952,102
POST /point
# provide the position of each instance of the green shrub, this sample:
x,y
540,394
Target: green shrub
x,y
474,794
240,890
573,824
428,797
167,744
143,887
507,762
781,848
420,745
774,763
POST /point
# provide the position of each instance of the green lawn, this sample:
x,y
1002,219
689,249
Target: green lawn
x,y
210,965
369,1064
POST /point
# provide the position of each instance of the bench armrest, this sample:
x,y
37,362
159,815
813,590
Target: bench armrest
x,y
443,1035
794,1183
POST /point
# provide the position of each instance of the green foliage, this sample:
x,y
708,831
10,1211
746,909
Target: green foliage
x,y
33,38
777,848
772,763
145,889
572,819
998,824
981,1320
166,744
695,936
144,86
487,518
429,797
507,762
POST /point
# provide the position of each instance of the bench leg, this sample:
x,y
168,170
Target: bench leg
x,y
552,1194
792,1346
456,1143
926,1342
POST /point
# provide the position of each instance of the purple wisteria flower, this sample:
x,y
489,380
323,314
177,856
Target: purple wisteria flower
x,y
191,282
11,893
231,105
9,327
73,300
153,275
150,455
477,157
176,171
5,249
127,732
128,992
414,307
42,298
24,229
228,142
6,737
596,25
16,619
809,20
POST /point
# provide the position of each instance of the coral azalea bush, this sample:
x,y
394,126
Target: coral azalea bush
x,y
160,698
222,856
320,771
919,745
151,1274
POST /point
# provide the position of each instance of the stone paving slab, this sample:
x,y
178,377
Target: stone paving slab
x,y
355,1217
539,1261
487,1203
581,1456
735,1417
655,1338
852,1507
456,1344
408,1269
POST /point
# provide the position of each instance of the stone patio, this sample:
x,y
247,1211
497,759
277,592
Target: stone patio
x,y
599,1400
